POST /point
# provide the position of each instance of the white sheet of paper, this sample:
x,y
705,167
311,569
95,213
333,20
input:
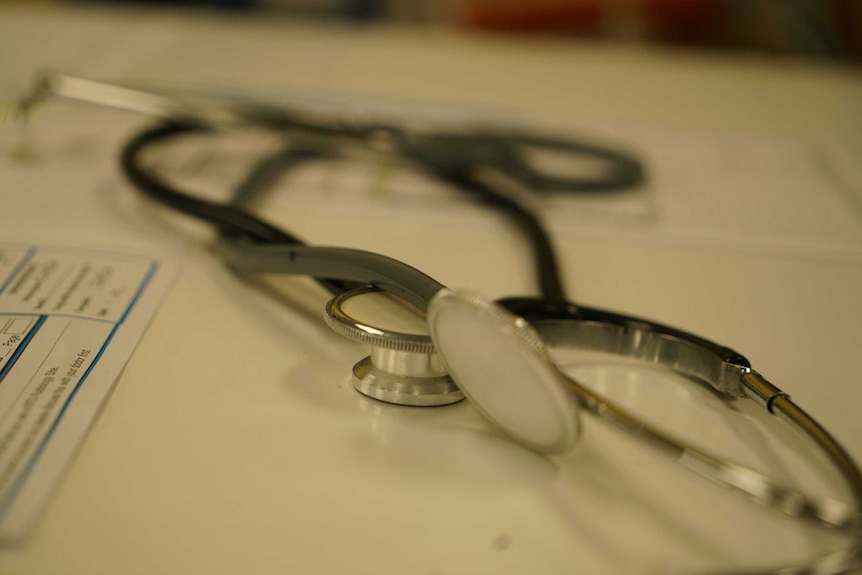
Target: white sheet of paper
x,y
69,321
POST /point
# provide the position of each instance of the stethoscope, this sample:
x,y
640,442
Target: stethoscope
x,y
496,353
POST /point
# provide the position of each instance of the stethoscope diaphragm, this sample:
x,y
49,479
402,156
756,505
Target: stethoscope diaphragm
x,y
499,362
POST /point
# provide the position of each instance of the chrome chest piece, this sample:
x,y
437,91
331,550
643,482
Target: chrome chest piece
x,y
403,367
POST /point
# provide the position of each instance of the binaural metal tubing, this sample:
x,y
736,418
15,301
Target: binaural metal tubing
x,y
760,390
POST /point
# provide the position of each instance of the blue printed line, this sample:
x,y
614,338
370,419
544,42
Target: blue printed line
x,y
21,347
137,296
147,279
144,284
19,484
24,261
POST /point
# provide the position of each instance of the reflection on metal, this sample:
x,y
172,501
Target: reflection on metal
x,y
403,368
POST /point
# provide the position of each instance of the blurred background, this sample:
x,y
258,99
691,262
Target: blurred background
x,y
812,29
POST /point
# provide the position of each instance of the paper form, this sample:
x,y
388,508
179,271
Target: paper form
x,y
69,320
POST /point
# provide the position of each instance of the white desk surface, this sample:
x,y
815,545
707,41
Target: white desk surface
x,y
233,442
